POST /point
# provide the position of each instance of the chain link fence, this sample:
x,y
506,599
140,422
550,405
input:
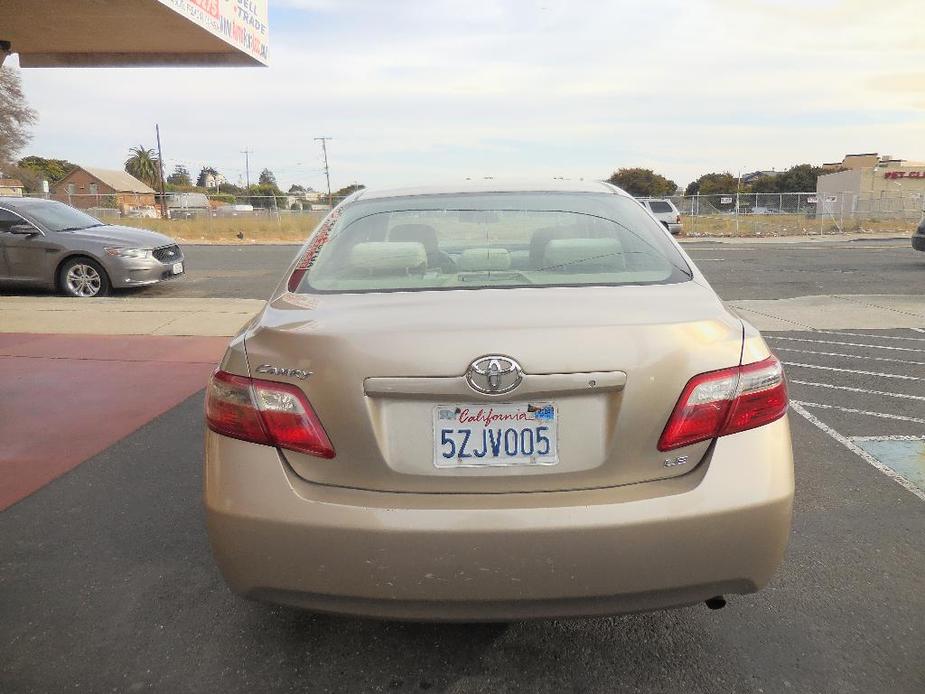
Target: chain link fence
x,y
789,214
197,216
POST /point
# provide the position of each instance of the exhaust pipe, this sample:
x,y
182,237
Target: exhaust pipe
x,y
716,603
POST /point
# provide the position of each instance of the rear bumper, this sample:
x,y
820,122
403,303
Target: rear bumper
x,y
674,227
722,528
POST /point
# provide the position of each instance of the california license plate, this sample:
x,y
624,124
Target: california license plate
x,y
496,435
177,268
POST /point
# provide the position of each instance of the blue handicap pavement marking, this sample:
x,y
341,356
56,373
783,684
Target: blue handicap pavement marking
x,y
903,455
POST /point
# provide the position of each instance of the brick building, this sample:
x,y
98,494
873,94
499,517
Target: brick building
x,y
86,187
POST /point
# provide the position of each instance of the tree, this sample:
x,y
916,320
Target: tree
x,y
295,188
230,189
180,176
266,195
713,184
643,183
51,170
799,179
347,190
267,178
144,165
764,184
16,117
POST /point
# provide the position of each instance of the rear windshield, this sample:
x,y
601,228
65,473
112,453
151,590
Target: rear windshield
x,y
660,206
498,240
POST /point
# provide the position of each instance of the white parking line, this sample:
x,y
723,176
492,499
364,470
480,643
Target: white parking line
x,y
849,356
854,448
896,437
852,371
877,337
846,344
882,415
857,390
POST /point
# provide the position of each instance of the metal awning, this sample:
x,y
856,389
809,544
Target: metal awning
x,y
105,33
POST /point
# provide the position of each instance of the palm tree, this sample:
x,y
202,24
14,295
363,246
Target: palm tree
x,y
143,165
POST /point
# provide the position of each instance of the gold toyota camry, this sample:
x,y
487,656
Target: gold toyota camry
x,y
496,402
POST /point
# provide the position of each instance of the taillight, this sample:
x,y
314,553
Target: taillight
x,y
679,219
723,402
265,412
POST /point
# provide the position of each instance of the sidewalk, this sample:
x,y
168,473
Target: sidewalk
x,y
68,397
223,317
833,312
125,316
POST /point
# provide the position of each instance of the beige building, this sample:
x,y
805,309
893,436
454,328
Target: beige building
x,y
12,187
875,185
86,187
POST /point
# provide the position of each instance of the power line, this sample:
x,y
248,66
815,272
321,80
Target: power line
x,y
327,171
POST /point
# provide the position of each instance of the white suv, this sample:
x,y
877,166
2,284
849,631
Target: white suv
x,y
665,212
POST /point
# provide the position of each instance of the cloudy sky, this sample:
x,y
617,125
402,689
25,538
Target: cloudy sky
x,y
422,90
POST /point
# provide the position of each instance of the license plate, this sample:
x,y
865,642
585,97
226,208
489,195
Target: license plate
x,y
496,435
177,268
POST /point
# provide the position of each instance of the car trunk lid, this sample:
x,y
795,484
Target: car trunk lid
x,y
610,361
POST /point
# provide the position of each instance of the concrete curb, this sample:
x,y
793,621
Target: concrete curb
x,y
833,312
126,316
224,317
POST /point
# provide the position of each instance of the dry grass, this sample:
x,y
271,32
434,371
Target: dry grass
x,y
295,228
789,225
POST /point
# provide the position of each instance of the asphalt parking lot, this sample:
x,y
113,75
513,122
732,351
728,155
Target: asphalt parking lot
x,y
737,271
106,582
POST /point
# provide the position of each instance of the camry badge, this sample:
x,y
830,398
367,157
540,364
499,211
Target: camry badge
x,y
494,374
280,371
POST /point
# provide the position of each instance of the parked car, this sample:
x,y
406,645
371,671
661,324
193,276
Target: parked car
x,y
665,212
49,244
186,205
234,211
918,238
492,403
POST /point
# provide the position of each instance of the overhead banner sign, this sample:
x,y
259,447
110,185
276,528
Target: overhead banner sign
x,y
240,23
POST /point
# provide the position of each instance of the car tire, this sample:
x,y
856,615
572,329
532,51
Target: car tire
x,y
83,278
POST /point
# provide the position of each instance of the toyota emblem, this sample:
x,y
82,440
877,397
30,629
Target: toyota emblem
x,y
494,374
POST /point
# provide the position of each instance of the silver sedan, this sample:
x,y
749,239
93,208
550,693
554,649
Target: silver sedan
x,y
44,243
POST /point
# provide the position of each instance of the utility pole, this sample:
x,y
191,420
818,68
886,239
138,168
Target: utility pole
x,y
327,171
247,166
160,164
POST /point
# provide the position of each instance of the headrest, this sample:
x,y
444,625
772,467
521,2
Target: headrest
x,y
582,255
387,256
422,233
484,259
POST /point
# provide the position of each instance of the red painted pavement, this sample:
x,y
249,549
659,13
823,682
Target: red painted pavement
x,y
65,398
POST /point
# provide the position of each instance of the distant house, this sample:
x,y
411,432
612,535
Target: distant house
x,y
86,187
12,187
752,176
